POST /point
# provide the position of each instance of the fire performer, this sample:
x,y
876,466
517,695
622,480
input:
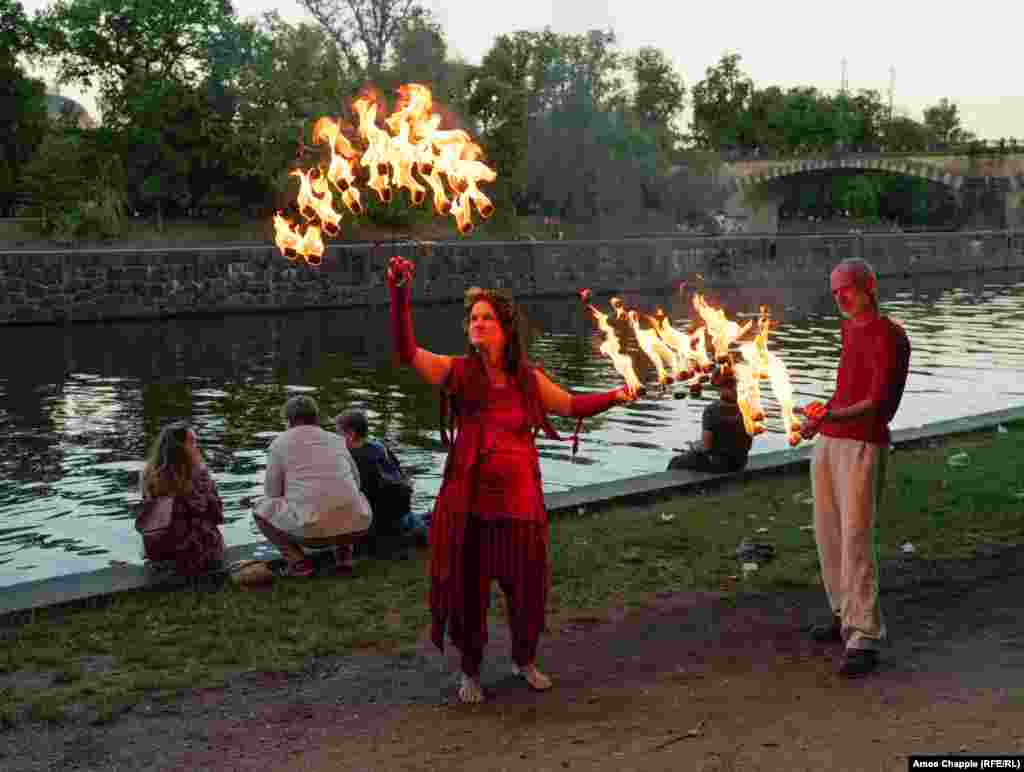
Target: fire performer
x,y
489,520
849,463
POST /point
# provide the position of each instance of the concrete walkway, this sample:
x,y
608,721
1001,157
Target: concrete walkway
x,y
20,600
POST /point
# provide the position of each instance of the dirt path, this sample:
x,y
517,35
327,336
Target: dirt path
x,y
691,682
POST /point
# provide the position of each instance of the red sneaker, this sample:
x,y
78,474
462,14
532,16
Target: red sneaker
x,y
303,569
343,562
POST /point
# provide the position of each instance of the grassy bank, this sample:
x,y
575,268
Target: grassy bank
x,y
947,500
143,233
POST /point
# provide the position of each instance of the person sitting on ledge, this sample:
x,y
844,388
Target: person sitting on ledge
x,y
725,444
176,477
312,492
384,484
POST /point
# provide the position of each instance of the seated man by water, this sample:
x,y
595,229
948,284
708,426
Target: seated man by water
x,y
181,512
725,444
384,484
312,492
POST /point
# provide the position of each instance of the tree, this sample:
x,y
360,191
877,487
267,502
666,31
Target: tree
x,y
524,80
365,31
23,113
658,93
857,194
17,33
719,102
108,44
875,114
295,76
659,90
420,55
943,120
79,180
906,134
168,72
760,123
588,164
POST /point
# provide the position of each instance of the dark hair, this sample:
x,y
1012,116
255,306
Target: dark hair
x,y
511,322
168,470
353,420
300,410
727,391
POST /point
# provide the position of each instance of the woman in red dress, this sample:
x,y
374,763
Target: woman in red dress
x,y
489,521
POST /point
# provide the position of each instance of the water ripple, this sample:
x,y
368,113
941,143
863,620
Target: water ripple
x,y
76,421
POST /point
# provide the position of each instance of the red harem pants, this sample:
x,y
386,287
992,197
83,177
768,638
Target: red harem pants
x,y
514,552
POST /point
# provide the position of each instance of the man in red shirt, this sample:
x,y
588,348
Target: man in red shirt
x,y
848,467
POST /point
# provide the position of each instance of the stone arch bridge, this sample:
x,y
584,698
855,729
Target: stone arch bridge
x,y
988,188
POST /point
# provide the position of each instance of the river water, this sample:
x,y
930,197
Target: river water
x,y
80,405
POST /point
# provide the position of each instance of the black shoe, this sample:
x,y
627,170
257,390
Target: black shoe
x,y
830,633
858,662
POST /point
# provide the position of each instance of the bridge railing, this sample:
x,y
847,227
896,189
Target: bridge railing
x,y
982,147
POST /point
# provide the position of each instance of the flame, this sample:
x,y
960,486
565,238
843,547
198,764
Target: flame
x,y
685,357
677,342
778,375
691,357
723,331
766,364
655,349
339,171
413,154
294,242
378,142
610,347
748,398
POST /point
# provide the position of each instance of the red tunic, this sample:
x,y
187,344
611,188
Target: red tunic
x,y
492,471
873,365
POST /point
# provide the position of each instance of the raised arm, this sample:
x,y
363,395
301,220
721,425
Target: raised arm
x,y
557,400
433,368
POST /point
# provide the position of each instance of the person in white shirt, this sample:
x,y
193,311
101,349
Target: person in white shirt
x,y
312,496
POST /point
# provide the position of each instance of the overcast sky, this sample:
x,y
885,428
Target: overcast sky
x,y
970,53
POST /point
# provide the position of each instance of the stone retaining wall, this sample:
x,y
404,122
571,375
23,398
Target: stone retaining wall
x,y
87,285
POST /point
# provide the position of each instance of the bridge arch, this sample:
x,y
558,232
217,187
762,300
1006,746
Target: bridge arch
x,y
903,166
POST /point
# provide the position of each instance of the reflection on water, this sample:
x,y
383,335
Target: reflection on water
x,y
79,405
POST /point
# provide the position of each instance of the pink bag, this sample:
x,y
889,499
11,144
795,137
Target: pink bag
x,y
154,522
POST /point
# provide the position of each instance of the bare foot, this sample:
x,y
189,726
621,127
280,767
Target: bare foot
x,y
536,679
470,691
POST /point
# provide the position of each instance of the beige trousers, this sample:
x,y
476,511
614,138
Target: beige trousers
x,y
847,479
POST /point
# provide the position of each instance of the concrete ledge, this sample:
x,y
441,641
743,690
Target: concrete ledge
x,y
18,601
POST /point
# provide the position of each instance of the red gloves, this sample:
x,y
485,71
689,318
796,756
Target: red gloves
x,y
586,405
399,278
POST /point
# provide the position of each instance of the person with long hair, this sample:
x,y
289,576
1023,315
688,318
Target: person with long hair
x,y
175,468
489,521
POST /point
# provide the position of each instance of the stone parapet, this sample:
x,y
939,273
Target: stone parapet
x,y
98,285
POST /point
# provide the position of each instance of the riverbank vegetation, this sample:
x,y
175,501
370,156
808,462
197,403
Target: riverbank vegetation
x,y
949,500
204,113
